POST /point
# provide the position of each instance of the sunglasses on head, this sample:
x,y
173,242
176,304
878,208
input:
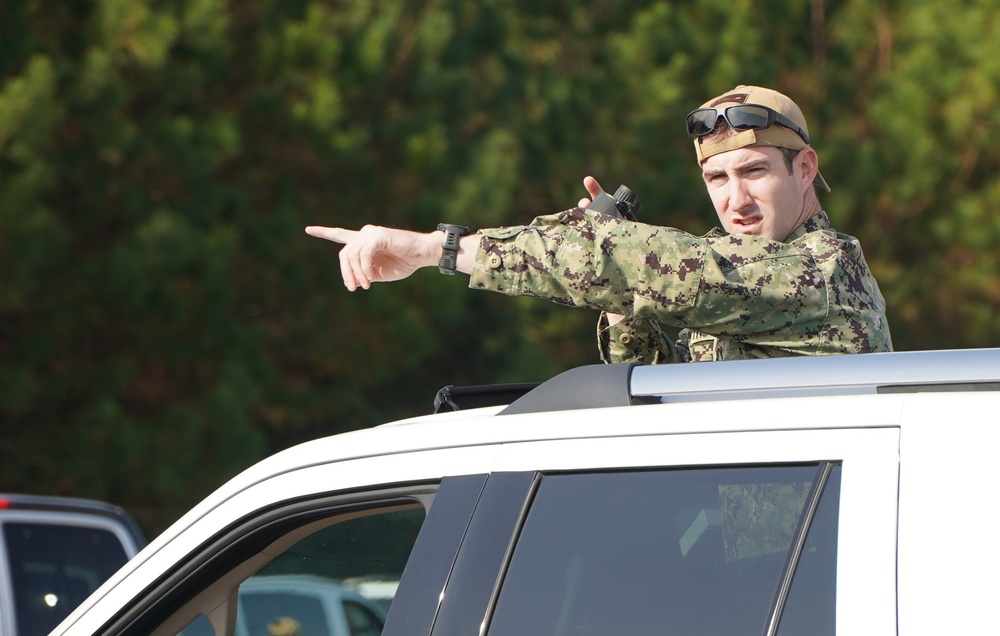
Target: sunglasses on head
x,y
741,117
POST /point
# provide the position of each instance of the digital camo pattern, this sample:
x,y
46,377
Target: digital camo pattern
x,y
732,295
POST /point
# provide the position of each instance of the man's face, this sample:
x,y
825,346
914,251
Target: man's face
x,y
753,192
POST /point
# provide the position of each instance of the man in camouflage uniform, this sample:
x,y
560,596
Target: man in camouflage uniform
x,y
776,281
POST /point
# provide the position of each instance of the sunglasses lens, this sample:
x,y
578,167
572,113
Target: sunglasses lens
x,y
748,117
701,122
743,117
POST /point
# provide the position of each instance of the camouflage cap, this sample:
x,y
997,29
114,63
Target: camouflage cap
x,y
776,135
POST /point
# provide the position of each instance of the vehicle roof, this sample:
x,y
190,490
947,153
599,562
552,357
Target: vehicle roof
x,y
772,385
45,502
71,505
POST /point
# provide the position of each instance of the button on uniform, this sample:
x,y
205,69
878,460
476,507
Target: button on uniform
x,y
495,261
625,339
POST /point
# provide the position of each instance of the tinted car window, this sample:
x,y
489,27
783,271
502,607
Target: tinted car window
x,y
811,606
361,620
695,551
54,568
318,585
285,613
374,546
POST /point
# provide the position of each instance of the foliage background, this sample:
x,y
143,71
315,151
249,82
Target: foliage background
x,y
165,322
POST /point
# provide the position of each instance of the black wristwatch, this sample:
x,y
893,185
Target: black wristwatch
x,y
449,253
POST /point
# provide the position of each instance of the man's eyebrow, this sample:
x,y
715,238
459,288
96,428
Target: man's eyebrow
x,y
763,162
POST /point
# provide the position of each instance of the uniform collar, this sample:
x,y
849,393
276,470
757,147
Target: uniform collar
x,y
816,223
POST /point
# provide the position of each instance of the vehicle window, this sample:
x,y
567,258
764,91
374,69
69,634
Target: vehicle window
x,y
361,620
200,626
54,568
285,613
693,551
337,581
811,606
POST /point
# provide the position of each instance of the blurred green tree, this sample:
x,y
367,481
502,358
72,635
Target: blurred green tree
x,y
164,321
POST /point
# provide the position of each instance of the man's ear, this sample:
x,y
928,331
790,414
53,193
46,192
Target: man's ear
x,y
808,162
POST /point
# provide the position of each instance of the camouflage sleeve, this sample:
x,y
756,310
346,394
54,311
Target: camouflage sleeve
x,y
635,340
726,285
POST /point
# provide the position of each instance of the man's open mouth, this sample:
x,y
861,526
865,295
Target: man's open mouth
x,y
755,220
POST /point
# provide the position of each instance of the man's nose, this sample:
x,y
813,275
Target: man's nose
x,y
739,194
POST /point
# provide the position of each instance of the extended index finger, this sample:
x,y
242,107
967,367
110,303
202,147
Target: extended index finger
x,y
335,234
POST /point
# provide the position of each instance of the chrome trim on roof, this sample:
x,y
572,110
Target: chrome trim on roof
x,y
857,373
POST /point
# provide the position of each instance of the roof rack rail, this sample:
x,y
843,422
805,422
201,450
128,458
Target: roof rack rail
x,y
596,386
457,398
586,387
909,371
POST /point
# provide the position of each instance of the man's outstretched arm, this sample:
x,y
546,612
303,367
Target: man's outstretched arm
x,y
377,254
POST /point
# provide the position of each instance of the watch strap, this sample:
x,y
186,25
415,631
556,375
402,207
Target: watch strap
x,y
449,247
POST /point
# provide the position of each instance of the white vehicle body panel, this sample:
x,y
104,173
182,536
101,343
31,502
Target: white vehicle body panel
x,y
948,561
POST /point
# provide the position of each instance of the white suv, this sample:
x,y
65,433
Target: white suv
x,y
820,496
